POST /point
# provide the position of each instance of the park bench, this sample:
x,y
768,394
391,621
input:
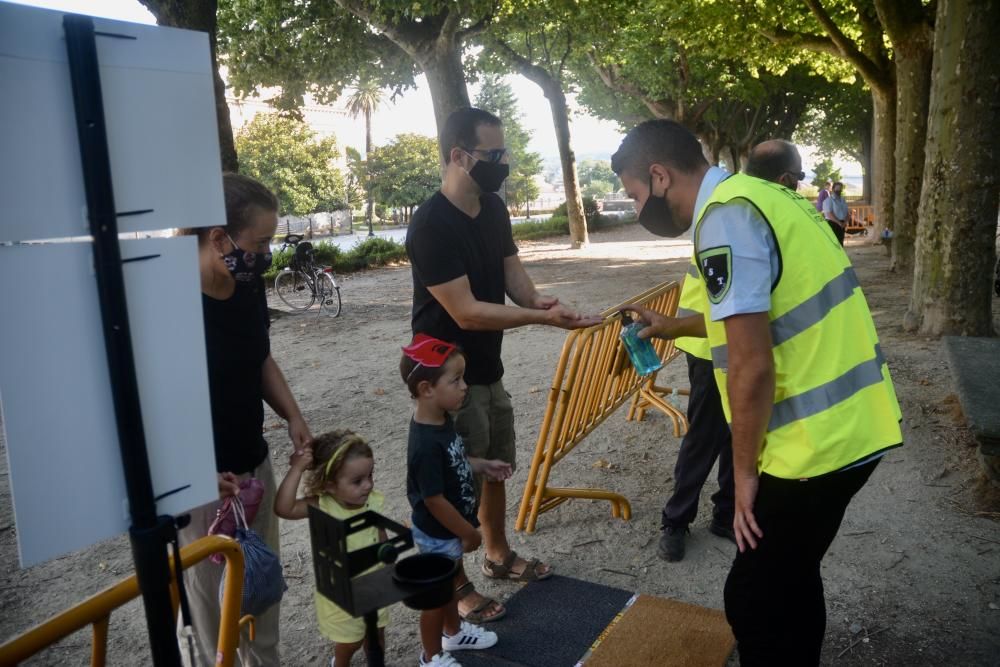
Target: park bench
x,y
975,365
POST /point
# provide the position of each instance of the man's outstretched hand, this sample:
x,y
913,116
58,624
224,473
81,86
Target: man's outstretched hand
x,y
560,316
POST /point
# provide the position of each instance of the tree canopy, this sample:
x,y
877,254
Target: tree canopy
x,y
405,172
497,97
285,155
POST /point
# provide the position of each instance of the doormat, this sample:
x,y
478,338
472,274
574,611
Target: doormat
x,y
664,633
566,622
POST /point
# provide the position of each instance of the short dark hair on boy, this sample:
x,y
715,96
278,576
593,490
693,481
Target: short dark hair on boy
x,y
461,126
413,373
658,141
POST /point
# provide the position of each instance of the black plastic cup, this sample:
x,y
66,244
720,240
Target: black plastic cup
x,y
430,577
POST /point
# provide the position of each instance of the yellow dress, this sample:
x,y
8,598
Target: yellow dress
x,y
335,623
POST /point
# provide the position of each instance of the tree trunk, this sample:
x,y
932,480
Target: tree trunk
x,y
865,158
370,209
734,159
571,182
552,89
883,160
955,247
443,66
913,84
201,15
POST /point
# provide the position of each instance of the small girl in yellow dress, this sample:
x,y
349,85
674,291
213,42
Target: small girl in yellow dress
x,y
340,484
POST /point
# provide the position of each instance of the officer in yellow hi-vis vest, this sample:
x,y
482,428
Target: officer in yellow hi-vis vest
x,y
707,438
798,364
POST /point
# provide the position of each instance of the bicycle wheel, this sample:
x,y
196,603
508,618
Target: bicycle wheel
x,y
294,289
329,294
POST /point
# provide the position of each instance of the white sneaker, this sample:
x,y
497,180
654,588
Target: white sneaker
x,y
442,659
469,636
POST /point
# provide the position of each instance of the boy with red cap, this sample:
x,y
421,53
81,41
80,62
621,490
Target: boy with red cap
x,y
440,486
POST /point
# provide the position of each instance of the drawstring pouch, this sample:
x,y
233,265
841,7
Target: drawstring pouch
x,y
263,579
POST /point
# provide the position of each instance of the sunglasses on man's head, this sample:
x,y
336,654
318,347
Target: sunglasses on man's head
x,y
801,176
492,155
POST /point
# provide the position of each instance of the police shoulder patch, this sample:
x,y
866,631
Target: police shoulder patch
x,y
717,269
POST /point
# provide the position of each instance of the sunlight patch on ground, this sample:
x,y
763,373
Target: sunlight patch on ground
x,y
653,249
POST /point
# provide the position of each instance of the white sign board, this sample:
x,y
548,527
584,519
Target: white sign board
x,y
159,107
62,445
60,430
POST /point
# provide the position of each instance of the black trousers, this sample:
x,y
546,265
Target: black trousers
x,y
707,439
774,593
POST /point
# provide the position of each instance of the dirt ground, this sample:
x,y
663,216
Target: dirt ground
x,y
912,579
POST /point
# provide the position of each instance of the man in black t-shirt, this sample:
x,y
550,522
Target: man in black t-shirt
x,y
464,265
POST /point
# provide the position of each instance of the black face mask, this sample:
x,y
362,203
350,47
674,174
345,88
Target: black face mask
x,y
245,266
489,176
656,216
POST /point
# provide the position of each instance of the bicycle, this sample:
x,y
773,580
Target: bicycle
x,y
302,283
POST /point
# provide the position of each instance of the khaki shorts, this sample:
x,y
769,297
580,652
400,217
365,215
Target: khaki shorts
x,y
486,423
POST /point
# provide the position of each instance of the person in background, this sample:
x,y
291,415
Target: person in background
x,y
823,194
242,375
835,211
778,161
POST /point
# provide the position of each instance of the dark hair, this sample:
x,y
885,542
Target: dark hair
x,y
461,126
244,196
658,141
770,159
836,183
413,373
324,447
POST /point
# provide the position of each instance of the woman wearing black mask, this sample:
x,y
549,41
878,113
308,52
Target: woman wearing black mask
x,y
241,375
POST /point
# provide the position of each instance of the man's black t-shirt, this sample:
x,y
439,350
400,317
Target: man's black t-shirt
x,y
237,343
436,464
443,243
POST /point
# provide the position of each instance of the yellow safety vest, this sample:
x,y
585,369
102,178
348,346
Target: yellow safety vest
x,y
834,401
693,302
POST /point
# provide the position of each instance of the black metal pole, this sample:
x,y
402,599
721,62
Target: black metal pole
x,y
374,651
148,533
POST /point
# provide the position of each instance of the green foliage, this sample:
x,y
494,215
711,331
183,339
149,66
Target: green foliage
x,y
405,171
598,189
311,46
589,171
555,226
698,62
366,254
590,211
839,121
357,176
496,96
285,155
558,225
824,170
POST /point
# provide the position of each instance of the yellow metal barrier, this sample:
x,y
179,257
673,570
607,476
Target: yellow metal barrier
x,y
96,610
594,378
860,219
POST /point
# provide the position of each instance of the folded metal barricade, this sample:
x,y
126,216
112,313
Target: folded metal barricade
x,y
594,378
96,610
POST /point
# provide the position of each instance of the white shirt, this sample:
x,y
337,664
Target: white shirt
x,y
739,230
835,208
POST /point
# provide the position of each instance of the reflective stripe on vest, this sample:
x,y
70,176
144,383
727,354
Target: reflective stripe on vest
x,y
693,302
834,400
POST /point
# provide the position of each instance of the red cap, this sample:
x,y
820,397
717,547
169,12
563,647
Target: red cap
x,y
428,351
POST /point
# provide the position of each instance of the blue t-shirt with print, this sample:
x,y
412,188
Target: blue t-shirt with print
x,y
436,464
